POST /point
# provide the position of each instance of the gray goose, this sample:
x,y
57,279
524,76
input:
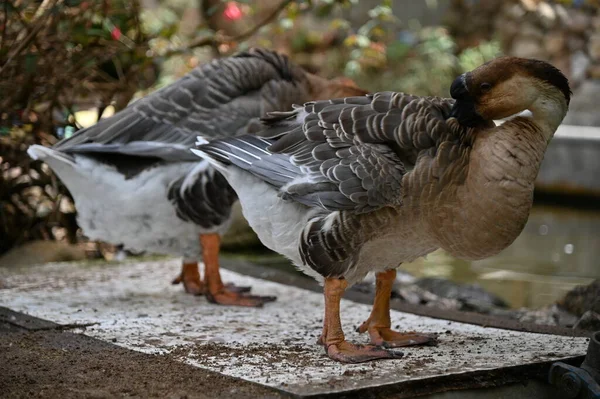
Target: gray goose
x,y
136,183
361,184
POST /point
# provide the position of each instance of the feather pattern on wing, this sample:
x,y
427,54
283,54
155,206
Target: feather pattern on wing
x,y
343,154
223,98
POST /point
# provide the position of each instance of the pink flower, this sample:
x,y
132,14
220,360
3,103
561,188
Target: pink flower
x,y
115,33
232,11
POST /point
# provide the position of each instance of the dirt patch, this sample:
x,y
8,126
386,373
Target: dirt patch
x,y
62,364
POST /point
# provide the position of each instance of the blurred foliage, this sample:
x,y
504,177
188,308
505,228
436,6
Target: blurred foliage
x,y
61,56
57,56
383,53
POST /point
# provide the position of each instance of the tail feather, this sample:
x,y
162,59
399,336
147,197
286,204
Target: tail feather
x,y
251,154
240,151
39,152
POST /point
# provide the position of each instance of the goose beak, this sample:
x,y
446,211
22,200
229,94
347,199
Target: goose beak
x,y
464,111
464,108
459,89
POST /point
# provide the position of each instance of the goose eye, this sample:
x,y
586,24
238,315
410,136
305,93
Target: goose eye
x,y
485,87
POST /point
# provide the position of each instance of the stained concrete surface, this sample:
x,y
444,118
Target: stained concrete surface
x,y
133,306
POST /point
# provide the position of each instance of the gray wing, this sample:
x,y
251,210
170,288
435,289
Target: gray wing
x,y
345,154
223,98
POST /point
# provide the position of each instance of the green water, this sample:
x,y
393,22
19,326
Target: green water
x,y
558,249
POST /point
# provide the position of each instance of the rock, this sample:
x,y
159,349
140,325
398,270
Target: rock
x,y
472,296
564,318
507,30
512,314
589,321
562,14
555,43
514,11
594,47
576,43
549,315
415,295
527,47
596,23
594,71
412,295
40,252
578,22
529,5
579,66
543,316
531,31
547,15
581,299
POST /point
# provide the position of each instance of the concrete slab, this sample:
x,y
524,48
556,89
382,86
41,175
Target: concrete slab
x,y
135,307
571,162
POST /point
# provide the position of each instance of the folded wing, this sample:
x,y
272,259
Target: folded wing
x,y
344,154
223,98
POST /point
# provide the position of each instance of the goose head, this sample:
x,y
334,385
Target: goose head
x,y
507,86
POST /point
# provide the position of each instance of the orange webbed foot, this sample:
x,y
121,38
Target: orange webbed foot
x,y
227,297
388,338
347,352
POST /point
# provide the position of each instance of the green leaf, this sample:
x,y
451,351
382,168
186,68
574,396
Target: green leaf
x,y
397,50
31,63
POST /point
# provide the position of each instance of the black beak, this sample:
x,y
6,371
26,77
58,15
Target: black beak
x,y
464,107
459,89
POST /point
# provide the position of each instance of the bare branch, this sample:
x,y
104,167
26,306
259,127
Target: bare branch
x,y
40,22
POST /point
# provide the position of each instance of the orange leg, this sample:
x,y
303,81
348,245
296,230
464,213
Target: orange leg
x,y
379,324
216,291
333,339
190,277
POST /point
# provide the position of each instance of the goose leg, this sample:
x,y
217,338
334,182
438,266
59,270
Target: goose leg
x,y
190,277
216,291
379,324
333,339
193,284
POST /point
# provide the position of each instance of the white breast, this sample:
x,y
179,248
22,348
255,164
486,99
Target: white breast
x,y
277,223
134,212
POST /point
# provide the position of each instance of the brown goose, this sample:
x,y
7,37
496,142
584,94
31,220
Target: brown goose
x,y
135,181
348,186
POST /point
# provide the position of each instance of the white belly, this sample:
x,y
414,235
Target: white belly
x,y
134,212
277,223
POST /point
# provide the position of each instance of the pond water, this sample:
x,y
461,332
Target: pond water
x,y
558,250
